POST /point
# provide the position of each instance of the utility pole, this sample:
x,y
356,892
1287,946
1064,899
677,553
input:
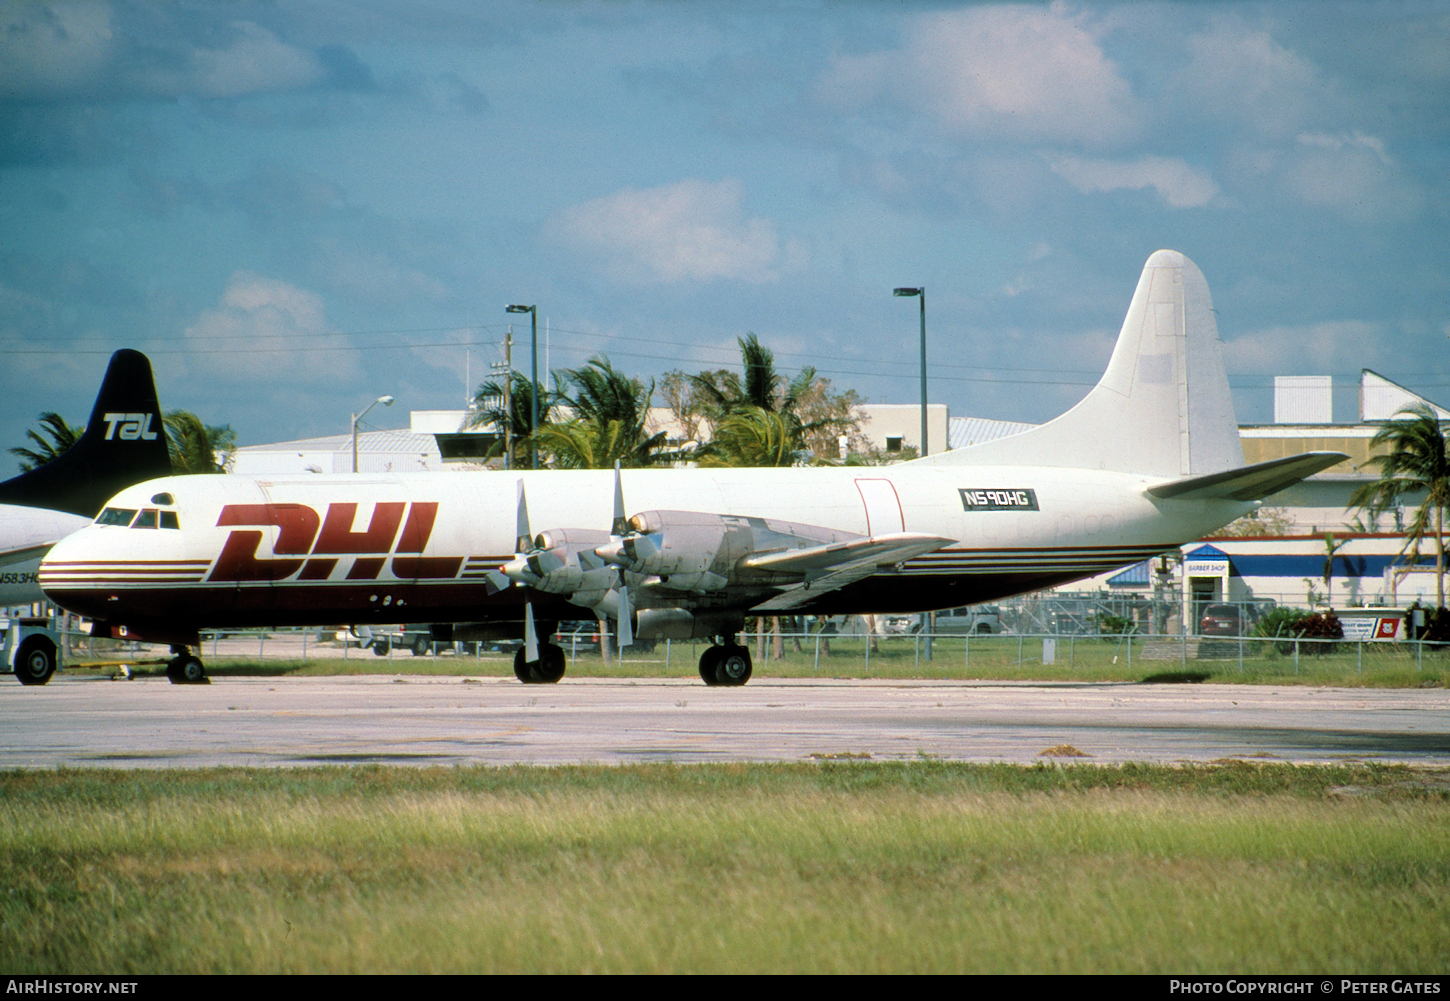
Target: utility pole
x,y
508,385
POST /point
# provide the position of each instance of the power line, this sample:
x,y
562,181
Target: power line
x,y
942,370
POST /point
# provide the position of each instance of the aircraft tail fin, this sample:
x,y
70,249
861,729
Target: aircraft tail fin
x,y
124,443
1163,406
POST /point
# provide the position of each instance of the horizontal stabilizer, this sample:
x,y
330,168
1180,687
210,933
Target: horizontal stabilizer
x,y
24,554
1248,482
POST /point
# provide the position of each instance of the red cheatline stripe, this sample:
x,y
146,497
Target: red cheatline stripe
x,y
128,563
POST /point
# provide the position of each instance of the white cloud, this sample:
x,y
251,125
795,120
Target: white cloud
x,y
1244,75
52,49
1352,174
1177,183
1016,72
255,61
269,331
1292,116
693,230
1329,346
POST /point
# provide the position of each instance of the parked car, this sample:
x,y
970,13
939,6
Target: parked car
x,y
578,634
583,634
895,625
1221,620
418,639
976,620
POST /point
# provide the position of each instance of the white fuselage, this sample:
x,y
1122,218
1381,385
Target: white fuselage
x,y
420,547
26,533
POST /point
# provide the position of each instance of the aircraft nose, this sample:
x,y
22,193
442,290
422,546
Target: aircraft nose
x,y
66,549
60,568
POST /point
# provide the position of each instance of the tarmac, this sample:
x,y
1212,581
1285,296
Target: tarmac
x,y
84,720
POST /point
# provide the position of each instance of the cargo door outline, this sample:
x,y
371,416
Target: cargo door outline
x,y
883,507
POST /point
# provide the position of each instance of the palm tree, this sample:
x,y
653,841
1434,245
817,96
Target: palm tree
x,y
753,437
762,389
196,447
723,392
1417,461
513,421
59,437
611,414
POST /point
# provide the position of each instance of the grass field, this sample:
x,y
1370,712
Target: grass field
x,y
861,867
995,658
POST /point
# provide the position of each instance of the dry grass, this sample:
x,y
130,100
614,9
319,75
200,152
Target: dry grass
x,y
858,867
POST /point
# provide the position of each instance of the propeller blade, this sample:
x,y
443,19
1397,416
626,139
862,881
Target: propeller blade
x,y
494,582
531,637
523,539
626,627
620,525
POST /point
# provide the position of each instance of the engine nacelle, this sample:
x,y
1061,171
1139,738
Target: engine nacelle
x,y
664,543
698,552
562,561
683,624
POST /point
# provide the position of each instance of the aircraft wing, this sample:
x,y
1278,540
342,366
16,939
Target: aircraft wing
x,y
831,567
1248,482
9,557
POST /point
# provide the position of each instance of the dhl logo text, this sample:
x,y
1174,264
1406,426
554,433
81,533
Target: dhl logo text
x,y
310,546
132,426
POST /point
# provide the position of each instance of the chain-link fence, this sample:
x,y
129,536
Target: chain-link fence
x,y
1041,636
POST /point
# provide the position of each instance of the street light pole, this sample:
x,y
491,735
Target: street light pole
x,y
921,294
533,312
386,401
927,618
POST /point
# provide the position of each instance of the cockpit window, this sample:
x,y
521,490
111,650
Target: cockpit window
x,y
146,519
116,516
169,520
162,499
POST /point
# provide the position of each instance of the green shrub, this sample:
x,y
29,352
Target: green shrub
x,y
1437,623
1288,624
1113,625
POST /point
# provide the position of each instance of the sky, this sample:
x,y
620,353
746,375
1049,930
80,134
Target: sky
x,y
296,207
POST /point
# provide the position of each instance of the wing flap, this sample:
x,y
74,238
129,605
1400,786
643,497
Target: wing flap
x,y
832,567
879,550
1248,482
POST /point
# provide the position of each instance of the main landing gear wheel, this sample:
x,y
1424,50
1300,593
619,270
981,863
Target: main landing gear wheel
x,y
548,669
186,668
708,661
35,661
727,665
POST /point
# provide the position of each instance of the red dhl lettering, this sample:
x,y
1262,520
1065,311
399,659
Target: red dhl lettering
x,y
308,543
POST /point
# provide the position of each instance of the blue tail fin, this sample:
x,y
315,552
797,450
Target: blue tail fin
x,y
124,443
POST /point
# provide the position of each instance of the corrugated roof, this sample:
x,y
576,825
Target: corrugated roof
x,y
964,431
367,441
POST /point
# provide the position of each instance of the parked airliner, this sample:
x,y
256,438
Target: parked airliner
x,y
1148,460
123,444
